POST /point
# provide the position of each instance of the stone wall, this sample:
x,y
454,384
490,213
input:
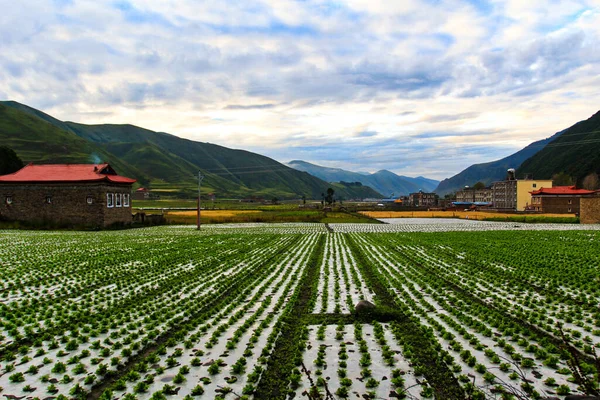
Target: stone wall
x,y
63,203
590,210
560,205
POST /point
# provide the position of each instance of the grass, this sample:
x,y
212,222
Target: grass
x,y
478,215
208,205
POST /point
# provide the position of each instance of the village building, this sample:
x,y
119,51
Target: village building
x,y
515,195
144,194
472,195
422,199
559,199
67,194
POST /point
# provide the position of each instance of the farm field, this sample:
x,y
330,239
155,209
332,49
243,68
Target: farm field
x,y
476,215
266,311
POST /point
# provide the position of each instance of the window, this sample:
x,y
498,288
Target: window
x,y
570,201
48,199
118,198
8,199
126,200
535,185
110,200
89,200
569,209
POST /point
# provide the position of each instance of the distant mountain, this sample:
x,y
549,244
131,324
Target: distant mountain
x,y
491,171
155,159
576,152
383,181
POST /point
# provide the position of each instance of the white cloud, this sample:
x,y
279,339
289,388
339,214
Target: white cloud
x,y
521,70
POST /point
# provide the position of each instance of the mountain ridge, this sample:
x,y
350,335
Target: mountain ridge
x,y
384,181
158,159
491,171
576,152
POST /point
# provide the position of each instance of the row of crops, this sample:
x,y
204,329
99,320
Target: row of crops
x,y
268,312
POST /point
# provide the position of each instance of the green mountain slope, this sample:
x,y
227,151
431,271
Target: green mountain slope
x,y
491,171
383,181
575,152
36,140
158,159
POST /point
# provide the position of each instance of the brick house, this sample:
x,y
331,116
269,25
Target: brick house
x,y
558,199
421,199
71,194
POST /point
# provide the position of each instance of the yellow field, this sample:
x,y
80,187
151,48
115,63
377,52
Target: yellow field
x,y
213,213
455,214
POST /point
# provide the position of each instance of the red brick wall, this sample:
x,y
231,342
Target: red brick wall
x,y
68,203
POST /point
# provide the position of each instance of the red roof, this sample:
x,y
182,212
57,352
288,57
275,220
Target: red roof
x,y
66,173
562,190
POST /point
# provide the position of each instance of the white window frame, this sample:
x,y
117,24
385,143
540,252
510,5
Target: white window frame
x,y
110,200
8,200
118,200
48,199
89,200
125,200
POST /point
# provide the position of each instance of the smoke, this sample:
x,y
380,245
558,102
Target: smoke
x,y
95,159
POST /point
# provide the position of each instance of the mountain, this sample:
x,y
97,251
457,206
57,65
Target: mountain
x,y
491,171
156,159
576,152
383,181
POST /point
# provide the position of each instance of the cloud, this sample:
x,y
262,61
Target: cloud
x,y
451,117
363,81
249,107
365,134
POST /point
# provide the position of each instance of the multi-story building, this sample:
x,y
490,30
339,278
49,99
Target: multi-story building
x,y
559,199
515,194
472,195
421,199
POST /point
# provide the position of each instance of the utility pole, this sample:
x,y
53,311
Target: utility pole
x,y
200,178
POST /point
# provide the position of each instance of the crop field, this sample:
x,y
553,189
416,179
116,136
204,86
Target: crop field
x,y
267,311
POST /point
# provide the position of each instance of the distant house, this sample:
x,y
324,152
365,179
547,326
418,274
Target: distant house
x,y
559,199
472,195
422,199
77,194
144,194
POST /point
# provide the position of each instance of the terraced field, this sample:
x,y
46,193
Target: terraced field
x,y
266,311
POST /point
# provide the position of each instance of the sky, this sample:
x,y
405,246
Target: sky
x,y
424,87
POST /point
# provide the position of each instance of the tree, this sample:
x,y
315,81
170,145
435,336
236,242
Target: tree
x,y
329,197
591,182
562,179
9,161
303,199
479,185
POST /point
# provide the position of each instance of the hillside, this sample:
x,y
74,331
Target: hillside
x,y
157,159
383,181
35,140
491,171
576,152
